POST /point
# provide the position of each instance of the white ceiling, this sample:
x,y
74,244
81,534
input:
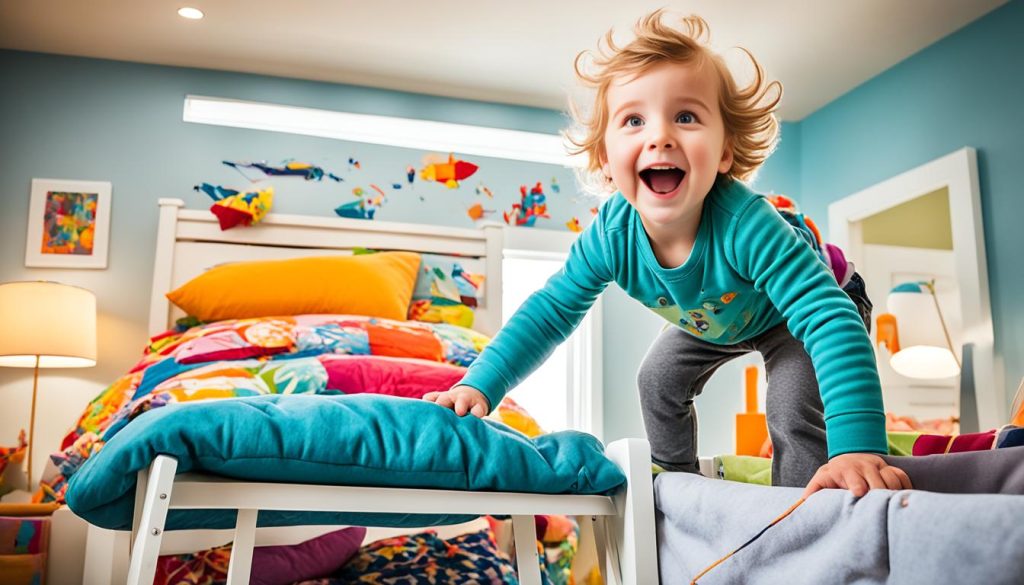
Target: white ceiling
x,y
518,51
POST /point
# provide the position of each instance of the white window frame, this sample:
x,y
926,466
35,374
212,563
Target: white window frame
x,y
584,379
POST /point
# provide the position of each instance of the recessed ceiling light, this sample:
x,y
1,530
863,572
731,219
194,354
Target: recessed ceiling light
x,y
190,13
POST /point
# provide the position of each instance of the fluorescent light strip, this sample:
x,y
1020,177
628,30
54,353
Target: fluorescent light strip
x,y
386,130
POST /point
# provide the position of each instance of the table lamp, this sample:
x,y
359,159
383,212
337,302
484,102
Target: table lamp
x,y
46,325
922,348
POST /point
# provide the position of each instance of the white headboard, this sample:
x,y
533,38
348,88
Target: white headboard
x,y
190,242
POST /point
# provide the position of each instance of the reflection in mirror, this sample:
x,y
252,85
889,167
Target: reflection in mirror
x,y
919,234
910,243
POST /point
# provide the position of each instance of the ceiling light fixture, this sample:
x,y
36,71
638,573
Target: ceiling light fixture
x,y
190,13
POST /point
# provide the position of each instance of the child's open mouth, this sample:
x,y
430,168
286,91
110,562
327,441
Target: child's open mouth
x,y
662,179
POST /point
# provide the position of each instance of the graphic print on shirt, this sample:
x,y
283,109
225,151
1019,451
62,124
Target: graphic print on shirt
x,y
668,312
709,320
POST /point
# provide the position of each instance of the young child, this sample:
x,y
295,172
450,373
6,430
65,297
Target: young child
x,y
673,136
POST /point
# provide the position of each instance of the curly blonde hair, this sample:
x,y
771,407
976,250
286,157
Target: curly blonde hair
x,y
751,130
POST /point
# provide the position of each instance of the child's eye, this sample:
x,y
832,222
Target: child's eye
x,y
686,118
634,121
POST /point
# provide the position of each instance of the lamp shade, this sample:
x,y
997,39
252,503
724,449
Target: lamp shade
x,y
924,351
56,322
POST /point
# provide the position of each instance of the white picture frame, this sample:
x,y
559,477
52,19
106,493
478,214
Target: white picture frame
x,y
78,238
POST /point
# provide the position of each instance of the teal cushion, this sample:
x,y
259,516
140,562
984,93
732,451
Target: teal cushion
x,y
358,440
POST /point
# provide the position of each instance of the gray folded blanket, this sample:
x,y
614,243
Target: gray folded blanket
x,y
996,471
962,535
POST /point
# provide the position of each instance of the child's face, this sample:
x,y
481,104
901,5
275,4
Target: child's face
x,y
665,140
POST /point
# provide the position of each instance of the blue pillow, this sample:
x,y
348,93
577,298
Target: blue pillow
x,y
358,440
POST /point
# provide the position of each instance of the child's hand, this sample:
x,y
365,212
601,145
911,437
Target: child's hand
x,y
462,399
858,472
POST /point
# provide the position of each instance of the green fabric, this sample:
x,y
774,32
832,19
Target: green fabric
x,y
745,468
758,470
357,440
902,442
748,272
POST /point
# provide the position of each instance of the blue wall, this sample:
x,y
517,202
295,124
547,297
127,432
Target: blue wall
x,y
964,90
781,172
74,118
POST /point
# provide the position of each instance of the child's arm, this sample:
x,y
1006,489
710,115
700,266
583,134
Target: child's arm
x,y
767,251
545,320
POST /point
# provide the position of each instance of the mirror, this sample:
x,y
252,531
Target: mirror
x,y
925,225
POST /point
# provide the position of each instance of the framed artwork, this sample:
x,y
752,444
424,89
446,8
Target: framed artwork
x,y
68,224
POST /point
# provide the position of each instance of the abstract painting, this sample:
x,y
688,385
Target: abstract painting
x,y
69,224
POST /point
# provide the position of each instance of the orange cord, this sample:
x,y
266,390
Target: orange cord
x,y
758,535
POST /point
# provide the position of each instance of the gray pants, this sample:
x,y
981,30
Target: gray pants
x,y
678,365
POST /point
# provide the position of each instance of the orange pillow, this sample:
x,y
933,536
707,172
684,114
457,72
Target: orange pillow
x,y
378,285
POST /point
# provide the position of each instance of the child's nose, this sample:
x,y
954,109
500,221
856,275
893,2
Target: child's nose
x,y
661,144
660,139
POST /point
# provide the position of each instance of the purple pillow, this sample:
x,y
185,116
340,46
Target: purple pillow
x,y
317,557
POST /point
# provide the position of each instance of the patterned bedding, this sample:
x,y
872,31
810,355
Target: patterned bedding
x,y
305,354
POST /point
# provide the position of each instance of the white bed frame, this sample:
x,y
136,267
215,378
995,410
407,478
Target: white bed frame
x,y
189,242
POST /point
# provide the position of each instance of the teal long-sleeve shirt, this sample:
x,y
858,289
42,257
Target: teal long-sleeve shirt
x,y
748,272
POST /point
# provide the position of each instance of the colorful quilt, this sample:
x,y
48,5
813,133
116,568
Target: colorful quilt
x,y
427,559
277,355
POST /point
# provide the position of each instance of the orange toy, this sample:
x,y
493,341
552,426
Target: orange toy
x,y
751,426
888,332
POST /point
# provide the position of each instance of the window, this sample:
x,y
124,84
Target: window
x,y
386,130
565,392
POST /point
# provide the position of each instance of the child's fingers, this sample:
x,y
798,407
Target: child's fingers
x,y
820,481
445,400
904,478
855,483
811,488
462,404
479,410
892,481
874,479
896,478
431,396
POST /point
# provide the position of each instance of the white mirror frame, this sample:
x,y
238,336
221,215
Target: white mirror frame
x,y
958,173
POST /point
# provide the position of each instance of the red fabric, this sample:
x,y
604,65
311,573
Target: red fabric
x,y
238,353
409,378
930,445
404,342
939,444
973,442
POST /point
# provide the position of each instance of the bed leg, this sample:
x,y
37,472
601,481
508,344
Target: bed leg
x,y
146,549
524,531
632,529
240,565
140,499
599,526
